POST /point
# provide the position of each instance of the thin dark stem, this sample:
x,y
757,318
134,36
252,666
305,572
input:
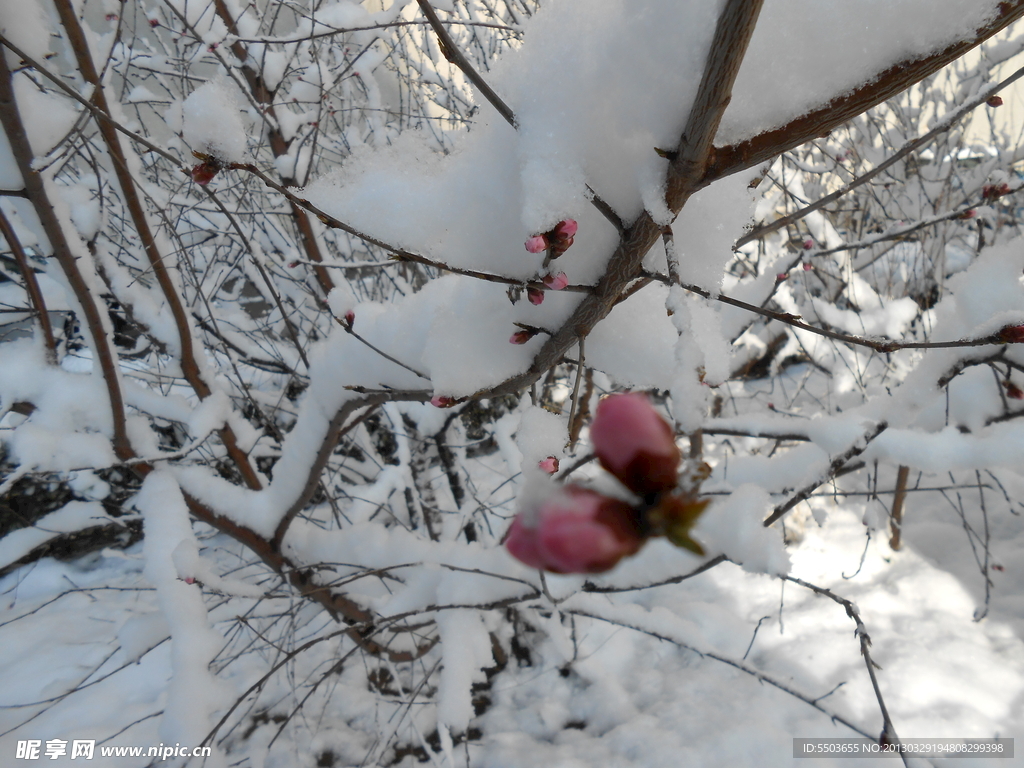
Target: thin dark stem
x,y
888,729
35,295
834,467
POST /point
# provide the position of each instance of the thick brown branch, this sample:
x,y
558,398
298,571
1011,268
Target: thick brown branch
x,y
944,126
818,122
189,364
10,120
35,295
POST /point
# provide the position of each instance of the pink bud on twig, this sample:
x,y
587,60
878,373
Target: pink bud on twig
x,y
521,337
537,244
203,173
557,281
350,317
535,295
577,531
442,401
549,465
566,228
635,444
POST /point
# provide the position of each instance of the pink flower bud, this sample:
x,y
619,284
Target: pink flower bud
x,y
1013,391
577,531
557,281
635,444
808,267
442,401
549,465
350,317
154,22
995,101
566,228
808,244
535,295
189,580
521,337
970,213
782,276
537,243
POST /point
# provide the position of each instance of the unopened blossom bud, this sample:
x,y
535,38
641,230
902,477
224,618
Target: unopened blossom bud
x,y
1012,334
535,295
808,266
782,276
203,173
350,318
537,244
995,101
1013,391
557,281
808,244
566,228
549,465
154,22
970,213
576,531
635,444
521,337
442,401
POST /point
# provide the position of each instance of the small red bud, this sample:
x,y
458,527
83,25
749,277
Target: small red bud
x,y
537,244
111,17
808,244
576,531
566,228
808,267
535,295
557,281
1013,391
635,444
521,337
782,276
442,401
293,264
549,465
1012,334
995,101
154,22
350,317
203,173
970,213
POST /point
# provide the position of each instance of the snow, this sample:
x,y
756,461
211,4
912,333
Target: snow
x,y
25,24
601,671
73,516
213,124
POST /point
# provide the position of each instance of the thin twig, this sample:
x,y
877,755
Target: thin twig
x,y
888,730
